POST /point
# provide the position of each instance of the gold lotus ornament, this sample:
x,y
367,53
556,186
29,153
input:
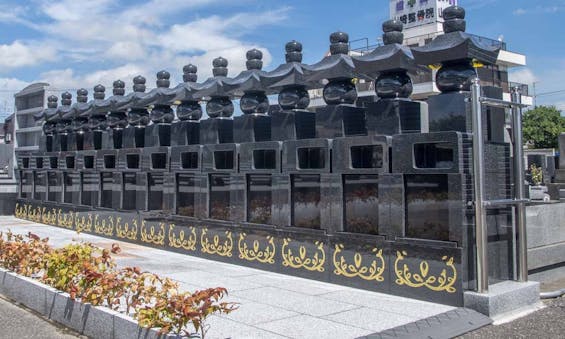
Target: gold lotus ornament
x,y
49,217
104,226
21,212
215,246
84,223
373,271
254,252
439,283
153,235
180,239
34,214
65,220
127,230
304,259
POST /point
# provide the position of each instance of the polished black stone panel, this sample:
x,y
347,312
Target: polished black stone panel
x,y
335,121
306,200
427,271
307,156
56,146
129,196
185,133
263,157
442,152
392,204
360,261
90,188
259,198
107,198
361,203
156,191
226,197
158,135
133,137
24,161
452,112
252,128
54,186
26,184
115,138
293,125
216,131
396,116
281,213
186,158
220,158
95,140
40,185
72,189
187,188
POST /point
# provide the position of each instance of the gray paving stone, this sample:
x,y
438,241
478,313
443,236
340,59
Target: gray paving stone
x,y
221,328
370,319
293,301
305,326
251,312
213,280
304,286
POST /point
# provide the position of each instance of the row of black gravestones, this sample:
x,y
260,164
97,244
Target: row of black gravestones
x,y
323,186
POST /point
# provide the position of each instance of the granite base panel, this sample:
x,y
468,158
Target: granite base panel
x,y
425,270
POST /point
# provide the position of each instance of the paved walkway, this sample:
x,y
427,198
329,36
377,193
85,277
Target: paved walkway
x,y
271,305
17,322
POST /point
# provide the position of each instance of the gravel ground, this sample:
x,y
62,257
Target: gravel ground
x,y
19,322
546,323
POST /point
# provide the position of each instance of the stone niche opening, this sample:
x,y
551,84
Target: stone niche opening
x,y
107,188
311,157
109,161
305,200
189,160
427,206
155,183
159,160
186,194
54,187
132,161
366,156
224,160
434,155
39,162
264,159
88,161
70,162
53,162
259,198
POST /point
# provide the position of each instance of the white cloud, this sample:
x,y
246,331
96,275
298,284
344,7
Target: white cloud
x,y
523,76
519,11
7,91
19,54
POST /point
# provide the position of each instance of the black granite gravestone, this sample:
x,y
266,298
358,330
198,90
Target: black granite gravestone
x,y
186,131
96,136
116,119
137,115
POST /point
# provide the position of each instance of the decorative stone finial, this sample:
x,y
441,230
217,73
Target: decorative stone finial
x,y
254,59
52,101
119,87
454,17
139,84
163,79
220,67
392,32
339,43
293,51
82,95
66,99
189,73
99,92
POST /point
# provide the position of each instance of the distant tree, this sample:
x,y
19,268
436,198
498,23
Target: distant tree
x,y
541,126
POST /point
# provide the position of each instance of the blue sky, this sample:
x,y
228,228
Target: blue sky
x,y
79,43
